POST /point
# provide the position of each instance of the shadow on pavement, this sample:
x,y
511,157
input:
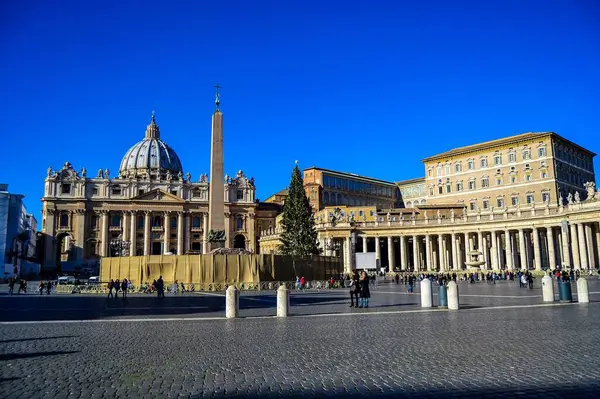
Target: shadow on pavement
x,y
14,356
35,339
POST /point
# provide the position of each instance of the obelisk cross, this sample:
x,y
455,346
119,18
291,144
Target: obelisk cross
x,y
218,99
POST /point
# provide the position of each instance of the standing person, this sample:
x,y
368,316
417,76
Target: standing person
x,y
11,286
48,287
183,288
117,286
397,278
41,286
111,285
365,294
411,282
354,289
124,286
302,282
160,287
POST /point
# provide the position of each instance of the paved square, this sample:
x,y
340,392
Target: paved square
x,y
506,343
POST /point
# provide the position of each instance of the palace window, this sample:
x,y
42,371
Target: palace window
x,y
438,171
64,220
372,213
65,189
498,181
513,178
470,164
500,202
430,190
472,185
459,186
526,155
472,205
497,160
542,152
527,176
546,197
530,198
512,157
457,167
484,163
440,189
448,187
447,170
361,213
486,204
485,182
240,194
429,173
544,174
514,200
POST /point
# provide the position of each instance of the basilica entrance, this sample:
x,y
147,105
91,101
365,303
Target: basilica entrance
x,y
156,248
239,241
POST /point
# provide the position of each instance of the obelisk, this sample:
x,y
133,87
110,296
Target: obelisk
x,y
216,200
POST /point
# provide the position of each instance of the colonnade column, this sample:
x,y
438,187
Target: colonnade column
x,y
509,253
403,253
348,254
454,252
167,233
582,246
377,253
494,250
428,252
551,255
590,240
132,233
364,240
391,261
147,222
522,250
416,253
563,237
179,233
104,235
441,253
575,247
536,250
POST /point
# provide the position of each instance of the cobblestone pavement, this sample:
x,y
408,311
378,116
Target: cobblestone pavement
x,y
387,297
499,352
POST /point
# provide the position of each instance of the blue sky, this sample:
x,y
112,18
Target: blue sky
x,y
364,87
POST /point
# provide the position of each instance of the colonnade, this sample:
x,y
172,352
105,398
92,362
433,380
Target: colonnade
x,y
575,245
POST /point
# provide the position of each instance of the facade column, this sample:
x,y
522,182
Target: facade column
x,y
471,240
364,240
598,240
132,233
500,252
454,252
582,246
187,227
551,254
125,225
416,255
348,254
509,253
205,231
147,222
403,253
522,250
104,235
445,254
179,233
377,253
391,260
494,250
589,238
166,233
536,250
428,262
575,246
441,254
564,235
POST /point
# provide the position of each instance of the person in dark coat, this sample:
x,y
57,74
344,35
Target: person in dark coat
x,y
124,286
354,289
160,287
365,294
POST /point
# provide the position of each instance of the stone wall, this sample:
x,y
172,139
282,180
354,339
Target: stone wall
x,y
218,268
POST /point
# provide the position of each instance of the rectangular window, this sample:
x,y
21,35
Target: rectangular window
x,y
457,167
530,198
448,188
514,201
361,213
546,197
512,157
440,190
528,177
541,152
472,206
498,181
498,160
240,194
471,165
513,179
174,192
485,183
94,191
500,202
65,189
447,170
484,163
429,172
459,186
526,155
471,185
116,191
486,204
372,213
142,191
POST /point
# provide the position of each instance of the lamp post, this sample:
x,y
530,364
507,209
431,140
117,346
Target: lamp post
x,y
119,246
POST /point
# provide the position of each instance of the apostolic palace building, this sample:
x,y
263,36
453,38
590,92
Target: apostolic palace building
x,y
522,202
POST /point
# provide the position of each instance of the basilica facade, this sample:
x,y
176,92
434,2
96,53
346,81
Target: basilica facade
x,y
149,207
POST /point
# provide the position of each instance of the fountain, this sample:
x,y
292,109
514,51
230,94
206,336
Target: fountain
x,y
474,261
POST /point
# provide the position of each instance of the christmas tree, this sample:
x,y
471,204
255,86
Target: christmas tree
x,y
299,236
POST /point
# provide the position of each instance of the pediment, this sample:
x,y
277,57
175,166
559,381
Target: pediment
x,y
158,195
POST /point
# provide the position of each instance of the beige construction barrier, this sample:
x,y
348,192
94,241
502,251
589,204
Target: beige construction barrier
x,y
230,269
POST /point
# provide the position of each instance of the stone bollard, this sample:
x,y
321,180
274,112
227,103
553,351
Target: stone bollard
x,y
283,301
453,303
232,302
426,294
547,289
583,294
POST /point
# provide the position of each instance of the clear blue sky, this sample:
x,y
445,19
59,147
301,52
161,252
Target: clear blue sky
x,y
366,87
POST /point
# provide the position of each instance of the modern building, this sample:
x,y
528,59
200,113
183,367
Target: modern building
x,y
149,207
523,202
17,234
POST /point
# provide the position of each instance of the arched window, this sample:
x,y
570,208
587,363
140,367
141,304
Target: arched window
x,y
196,222
239,223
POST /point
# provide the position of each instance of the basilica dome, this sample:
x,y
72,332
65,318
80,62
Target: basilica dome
x,y
151,157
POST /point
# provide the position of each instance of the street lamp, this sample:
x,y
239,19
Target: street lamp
x,y
119,246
